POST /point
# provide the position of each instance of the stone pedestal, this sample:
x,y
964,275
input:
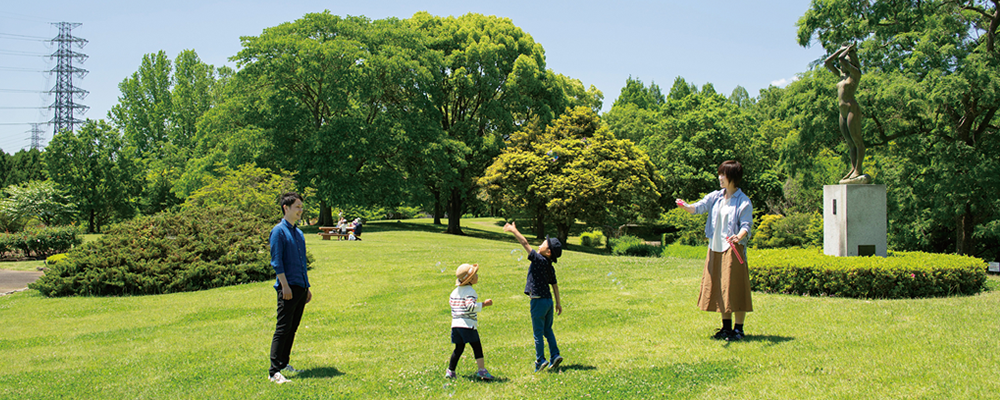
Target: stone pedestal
x,y
854,222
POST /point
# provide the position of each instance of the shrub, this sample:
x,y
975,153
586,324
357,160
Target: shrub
x,y
633,246
54,259
900,275
592,239
39,242
198,248
794,230
690,228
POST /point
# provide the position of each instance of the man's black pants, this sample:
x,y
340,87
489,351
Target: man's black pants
x,y
289,316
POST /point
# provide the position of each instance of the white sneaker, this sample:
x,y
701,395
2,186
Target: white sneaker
x,y
278,378
289,368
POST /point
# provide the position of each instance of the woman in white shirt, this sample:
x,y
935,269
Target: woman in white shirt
x,y
725,283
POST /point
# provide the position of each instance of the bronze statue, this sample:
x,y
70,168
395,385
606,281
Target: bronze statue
x,y
850,110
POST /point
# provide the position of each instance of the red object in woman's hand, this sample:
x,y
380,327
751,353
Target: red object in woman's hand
x,y
732,245
681,203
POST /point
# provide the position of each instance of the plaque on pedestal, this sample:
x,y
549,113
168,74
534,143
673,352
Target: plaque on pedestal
x,y
854,222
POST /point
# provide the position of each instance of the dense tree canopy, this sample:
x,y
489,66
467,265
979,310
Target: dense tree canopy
x,y
93,166
932,94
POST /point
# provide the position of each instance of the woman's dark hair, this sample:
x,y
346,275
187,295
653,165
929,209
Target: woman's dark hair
x,y
732,170
288,199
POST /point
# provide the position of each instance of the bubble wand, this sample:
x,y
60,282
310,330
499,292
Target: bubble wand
x,y
732,246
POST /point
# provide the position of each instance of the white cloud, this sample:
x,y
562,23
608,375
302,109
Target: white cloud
x,y
784,81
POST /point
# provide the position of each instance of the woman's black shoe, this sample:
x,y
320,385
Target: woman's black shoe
x,y
722,334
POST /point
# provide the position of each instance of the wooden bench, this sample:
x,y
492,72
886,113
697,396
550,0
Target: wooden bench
x,y
328,235
330,231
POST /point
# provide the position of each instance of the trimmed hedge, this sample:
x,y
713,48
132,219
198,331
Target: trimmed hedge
x,y
633,246
900,275
198,248
39,242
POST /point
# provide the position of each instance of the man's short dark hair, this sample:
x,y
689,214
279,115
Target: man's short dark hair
x,y
732,170
288,199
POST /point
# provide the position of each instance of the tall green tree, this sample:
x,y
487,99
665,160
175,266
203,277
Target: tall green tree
x,y
491,81
342,101
93,167
191,96
574,170
145,106
932,91
635,92
24,166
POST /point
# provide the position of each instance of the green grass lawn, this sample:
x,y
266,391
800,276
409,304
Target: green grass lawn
x,y
378,327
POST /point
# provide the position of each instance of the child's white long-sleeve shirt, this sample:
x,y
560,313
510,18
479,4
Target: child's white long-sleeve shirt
x,y
465,308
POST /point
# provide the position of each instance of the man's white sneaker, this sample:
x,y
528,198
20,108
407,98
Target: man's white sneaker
x,y
289,368
279,378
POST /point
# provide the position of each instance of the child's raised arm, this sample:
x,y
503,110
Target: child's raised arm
x,y
510,227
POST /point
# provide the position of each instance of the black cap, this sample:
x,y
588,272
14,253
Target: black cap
x,y
555,247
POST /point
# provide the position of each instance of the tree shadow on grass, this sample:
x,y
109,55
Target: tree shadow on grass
x,y
321,372
575,367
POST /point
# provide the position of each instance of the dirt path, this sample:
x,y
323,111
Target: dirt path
x,y
13,281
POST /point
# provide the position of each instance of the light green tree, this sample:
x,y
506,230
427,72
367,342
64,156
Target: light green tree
x,y
575,170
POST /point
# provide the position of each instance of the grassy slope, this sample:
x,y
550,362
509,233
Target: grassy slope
x,y
378,326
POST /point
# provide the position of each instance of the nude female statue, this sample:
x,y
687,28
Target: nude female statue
x,y
850,110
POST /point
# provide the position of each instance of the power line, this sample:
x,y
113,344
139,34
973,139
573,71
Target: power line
x,y
21,69
23,108
22,53
24,91
23,37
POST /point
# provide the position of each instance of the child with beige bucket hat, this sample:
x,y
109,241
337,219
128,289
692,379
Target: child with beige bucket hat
x,y
465,309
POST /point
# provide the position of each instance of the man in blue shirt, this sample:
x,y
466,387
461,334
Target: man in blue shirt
x,y
288,258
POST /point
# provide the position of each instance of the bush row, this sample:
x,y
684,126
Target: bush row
x,y
592,239
38,242
197,248
900,275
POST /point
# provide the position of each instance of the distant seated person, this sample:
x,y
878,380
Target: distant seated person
x,y
342,225
357,228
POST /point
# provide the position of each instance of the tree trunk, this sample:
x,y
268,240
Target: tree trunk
x,y
437,207
325,215
455,213
539,224
562,232
964,242
90,224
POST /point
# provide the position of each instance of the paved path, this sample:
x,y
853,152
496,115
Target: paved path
x,y
11,281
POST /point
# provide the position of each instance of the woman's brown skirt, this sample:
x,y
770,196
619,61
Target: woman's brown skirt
x,y
725,283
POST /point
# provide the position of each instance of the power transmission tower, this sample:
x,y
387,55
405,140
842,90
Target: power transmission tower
x,y
36,136
64,89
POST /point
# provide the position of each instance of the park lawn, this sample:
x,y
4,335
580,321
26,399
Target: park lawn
x,y
378,327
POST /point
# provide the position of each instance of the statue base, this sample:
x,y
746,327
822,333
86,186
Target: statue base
x,y
857,180
854,220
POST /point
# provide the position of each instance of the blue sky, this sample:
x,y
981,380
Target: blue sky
x,y
726,43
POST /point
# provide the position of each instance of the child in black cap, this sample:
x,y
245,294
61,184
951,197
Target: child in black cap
x,y
541,275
